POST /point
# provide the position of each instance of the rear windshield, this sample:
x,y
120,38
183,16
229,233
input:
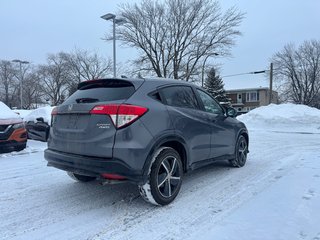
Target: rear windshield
x,y
101,91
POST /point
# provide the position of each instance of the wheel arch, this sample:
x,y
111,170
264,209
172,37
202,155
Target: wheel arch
x,y
172,141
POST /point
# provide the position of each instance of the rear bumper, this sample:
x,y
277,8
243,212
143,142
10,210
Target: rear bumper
x,y
92,166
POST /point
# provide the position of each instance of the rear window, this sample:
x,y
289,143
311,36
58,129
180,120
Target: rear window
x,y
101,91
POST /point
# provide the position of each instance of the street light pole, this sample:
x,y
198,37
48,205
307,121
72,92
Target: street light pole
x,y
203,65
21,77
111,16
114,49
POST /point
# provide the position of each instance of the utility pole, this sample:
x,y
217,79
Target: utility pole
x,y
271,79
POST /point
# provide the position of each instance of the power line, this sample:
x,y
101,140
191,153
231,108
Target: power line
x,y
239,74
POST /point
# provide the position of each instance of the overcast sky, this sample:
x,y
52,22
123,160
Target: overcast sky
x,y
32,29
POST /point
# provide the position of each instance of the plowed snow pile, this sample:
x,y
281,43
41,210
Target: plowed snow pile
x,y
283,117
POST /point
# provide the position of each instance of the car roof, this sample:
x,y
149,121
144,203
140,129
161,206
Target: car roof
x,y
154,81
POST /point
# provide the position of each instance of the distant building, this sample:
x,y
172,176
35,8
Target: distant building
x,y
244,100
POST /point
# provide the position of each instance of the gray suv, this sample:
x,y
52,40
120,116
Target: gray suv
x,y
146,131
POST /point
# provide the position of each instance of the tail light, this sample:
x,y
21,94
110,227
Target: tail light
x,y
54,111
120,114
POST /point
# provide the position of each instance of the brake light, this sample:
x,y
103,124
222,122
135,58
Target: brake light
x,y
120,114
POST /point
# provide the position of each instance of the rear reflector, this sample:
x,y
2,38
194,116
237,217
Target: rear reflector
x,y
121,114
112,176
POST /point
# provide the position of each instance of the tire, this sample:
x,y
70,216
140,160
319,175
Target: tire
x,y
241,152
20,148
165,177
47,135
81,178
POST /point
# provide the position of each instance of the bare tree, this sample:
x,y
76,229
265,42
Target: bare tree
x,y
84,65
32,89
52,81
7,81
54,78
175,37
298,70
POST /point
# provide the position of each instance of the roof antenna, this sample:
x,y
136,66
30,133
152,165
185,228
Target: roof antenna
x,y
124,76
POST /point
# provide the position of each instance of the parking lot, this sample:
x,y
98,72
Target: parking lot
x,y
38,202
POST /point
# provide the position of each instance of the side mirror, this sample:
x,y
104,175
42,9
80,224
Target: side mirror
x,y
231,112
40,119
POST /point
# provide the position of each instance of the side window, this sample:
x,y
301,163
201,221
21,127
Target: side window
x,y
209,103
180,96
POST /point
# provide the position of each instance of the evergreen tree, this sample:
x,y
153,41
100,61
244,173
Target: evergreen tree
x,y
215,86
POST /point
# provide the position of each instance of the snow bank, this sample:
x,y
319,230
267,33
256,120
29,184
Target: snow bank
x,y
44,112
22,112
283,116
7,113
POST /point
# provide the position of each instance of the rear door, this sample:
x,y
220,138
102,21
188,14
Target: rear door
x,y
223,130
188,120
75,130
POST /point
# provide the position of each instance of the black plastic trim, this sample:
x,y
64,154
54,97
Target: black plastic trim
x,y
91,166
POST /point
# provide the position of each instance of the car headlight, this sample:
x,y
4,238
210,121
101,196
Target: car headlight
x,y
18,125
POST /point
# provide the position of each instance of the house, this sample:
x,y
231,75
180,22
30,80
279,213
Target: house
x,y
244,100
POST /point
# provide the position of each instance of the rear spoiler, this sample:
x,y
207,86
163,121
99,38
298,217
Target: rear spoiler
x,y
114,82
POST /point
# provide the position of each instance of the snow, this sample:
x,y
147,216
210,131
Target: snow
x,y
22,112
275,196
284,117
44,112
7,113
288,209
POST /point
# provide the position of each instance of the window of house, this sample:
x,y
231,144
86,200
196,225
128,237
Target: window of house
x,y
252,96
180,96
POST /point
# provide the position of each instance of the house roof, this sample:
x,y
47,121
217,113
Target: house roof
x,y
247,89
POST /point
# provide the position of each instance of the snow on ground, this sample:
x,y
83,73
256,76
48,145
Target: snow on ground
x,y
32,147
275,196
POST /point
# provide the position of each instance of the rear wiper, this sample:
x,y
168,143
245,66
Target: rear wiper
x,y
86,100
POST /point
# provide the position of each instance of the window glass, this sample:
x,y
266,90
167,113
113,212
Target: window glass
x,y
209,103
180,96
100,91
252,96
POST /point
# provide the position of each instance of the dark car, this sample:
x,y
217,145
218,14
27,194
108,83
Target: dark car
x,y
13,135
38,123
146,131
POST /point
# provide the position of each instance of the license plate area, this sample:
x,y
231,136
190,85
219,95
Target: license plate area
x,y
72,121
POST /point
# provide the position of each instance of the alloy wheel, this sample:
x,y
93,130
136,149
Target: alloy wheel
x,y
168,178
242,151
